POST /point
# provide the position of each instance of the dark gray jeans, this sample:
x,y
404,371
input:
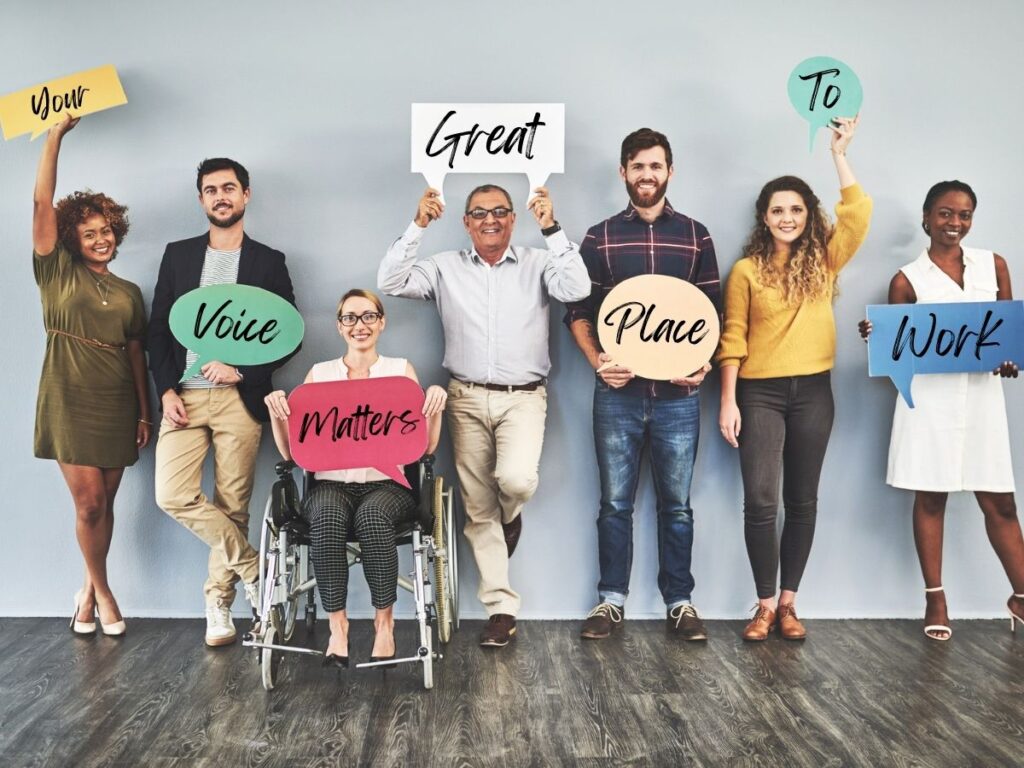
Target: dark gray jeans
x,y
785,429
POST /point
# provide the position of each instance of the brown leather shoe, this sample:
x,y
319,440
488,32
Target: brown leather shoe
x,y
685,623
789,624
601,621
512,531
759,626
498,630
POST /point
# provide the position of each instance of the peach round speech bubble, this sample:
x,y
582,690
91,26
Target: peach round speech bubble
x,y
659,327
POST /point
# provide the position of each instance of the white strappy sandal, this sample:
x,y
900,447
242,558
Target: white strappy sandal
x,y
1014,618
941,632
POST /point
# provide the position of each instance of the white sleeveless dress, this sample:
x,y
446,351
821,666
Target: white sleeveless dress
x,y
956,438
336,370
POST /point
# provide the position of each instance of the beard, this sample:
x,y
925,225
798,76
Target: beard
x,y
646,201
228,222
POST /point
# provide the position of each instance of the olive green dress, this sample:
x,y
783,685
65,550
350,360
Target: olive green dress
x,y
87,412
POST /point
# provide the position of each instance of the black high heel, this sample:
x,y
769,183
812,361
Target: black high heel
x,y
384,658
336,661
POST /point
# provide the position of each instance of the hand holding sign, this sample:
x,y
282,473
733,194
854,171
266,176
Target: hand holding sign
x,y
487,138
375,423
34,110
235,324
908,339
658,327
821,89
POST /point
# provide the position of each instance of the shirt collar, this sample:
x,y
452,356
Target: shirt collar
x,y
968,254
509,254
631,212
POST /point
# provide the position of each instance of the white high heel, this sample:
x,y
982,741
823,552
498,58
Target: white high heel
x,y
1014,618
932,631
81,627
115,629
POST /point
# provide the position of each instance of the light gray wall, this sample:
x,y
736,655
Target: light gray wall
x,y
314,99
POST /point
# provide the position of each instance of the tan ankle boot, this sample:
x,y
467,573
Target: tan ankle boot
x,y
759,626
789,624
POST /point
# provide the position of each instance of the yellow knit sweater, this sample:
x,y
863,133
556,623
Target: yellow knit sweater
x,y
767,338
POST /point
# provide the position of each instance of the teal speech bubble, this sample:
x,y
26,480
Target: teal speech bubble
x,y
235,324
821,88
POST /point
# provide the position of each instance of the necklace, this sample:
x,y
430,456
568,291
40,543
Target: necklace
x,y
102,288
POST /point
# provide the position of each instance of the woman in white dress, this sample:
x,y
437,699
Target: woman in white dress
x,y
956,437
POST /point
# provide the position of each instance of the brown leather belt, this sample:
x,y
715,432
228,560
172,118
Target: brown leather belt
x,y
531,387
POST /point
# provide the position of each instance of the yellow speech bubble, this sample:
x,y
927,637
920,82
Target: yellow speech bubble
x,y
36,109
659,327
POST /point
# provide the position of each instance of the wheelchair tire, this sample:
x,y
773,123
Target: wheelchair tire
x,y
270,660
442,594
452,548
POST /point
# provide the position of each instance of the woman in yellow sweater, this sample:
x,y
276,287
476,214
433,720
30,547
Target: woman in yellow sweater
x,y
777,351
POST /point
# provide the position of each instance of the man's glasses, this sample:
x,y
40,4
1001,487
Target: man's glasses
x,y
368,318
481,213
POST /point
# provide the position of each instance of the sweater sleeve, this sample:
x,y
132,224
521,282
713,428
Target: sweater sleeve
x,y
853,215
733,347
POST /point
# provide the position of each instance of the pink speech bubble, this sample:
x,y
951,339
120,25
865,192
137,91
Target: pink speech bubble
x,y
375,423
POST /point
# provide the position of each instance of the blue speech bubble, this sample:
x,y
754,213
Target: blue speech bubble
x,y
821,88
962,337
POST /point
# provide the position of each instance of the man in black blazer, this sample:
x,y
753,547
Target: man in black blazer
x,y
222,405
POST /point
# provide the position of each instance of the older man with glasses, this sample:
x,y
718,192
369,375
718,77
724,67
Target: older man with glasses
x,y
493,300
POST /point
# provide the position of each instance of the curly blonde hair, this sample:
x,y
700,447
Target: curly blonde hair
x,y
806,276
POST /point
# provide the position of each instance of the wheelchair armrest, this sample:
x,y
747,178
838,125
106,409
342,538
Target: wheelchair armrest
x,y
283,468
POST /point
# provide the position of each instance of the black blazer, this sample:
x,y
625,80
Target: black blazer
x,y
180,270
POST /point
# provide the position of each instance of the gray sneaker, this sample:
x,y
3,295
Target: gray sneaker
x,y
252,594
685,623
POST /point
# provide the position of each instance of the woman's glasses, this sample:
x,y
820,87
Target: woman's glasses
x,y
368,318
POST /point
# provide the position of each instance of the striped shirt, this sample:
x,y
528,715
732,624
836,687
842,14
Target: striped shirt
x,y
626,246
219,268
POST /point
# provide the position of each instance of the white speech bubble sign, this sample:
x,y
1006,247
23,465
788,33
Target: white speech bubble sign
x,y
488,138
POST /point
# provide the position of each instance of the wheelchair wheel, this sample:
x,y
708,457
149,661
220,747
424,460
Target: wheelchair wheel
x,y
270,660
442,594
452,548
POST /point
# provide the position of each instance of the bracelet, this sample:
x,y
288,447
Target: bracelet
x,y
143,421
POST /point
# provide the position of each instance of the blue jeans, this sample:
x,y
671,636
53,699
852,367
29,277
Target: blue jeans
x,y
623,425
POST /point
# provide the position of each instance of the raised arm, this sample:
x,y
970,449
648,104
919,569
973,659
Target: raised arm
x,y
853,212
400,274
44,216
565,275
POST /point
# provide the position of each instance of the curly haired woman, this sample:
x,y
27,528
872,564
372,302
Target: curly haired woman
x,y
92,415
777,352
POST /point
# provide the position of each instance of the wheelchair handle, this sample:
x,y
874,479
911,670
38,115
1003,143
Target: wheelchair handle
x,y
284,468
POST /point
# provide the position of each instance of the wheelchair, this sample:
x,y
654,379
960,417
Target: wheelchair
x,y
286,570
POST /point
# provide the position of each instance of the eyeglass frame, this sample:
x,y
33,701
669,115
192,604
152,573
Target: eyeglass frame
x,y
361,318
493,211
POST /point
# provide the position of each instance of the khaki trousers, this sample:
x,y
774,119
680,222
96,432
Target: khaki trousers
x,y
216,416
497,437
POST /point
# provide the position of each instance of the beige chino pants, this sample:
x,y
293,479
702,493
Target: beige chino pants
x,y
216,416
497,439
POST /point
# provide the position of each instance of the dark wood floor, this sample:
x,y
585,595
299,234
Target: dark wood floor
x,y
864,693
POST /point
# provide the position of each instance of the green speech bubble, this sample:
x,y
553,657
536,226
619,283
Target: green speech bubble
x,y
235,324
821,88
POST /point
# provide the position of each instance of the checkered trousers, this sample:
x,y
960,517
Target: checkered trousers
x,y
372,510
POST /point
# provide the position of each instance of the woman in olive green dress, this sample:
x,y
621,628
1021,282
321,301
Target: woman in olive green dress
x,y
92,414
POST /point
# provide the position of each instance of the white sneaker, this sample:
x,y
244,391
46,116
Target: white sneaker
x,y
220,629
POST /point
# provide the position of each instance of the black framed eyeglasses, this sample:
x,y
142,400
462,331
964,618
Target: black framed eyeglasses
x,y
368,318
500,212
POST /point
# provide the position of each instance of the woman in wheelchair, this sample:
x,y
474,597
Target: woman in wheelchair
x,y
363,500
